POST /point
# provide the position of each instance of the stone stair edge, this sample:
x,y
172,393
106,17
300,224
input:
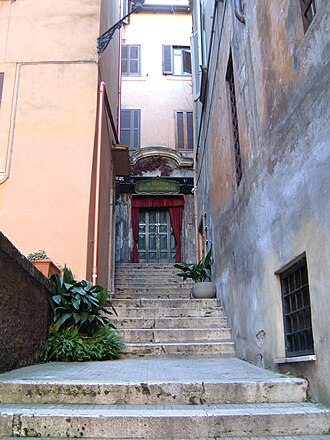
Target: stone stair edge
x,y
146,421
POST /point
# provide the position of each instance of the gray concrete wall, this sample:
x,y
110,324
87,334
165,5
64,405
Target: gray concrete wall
x,y
24,309
282,206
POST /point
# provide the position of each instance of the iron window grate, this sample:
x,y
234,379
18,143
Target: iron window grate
x,y
233,107
297,310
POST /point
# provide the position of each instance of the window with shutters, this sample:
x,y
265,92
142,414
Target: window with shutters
x,y
130,60
176,60
184,130
1,85
233,110
308,10
130,128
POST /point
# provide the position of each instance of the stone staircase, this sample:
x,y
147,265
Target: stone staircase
x,y
157,317
177,378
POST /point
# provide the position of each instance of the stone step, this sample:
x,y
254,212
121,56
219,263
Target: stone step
x,y
278,437
168,323
175,335
162,290
153,381
165,303
179,349
151,295
161,421
160,393
156,312
153,279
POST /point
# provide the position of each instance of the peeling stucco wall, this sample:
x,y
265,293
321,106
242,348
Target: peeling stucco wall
x,y
281,208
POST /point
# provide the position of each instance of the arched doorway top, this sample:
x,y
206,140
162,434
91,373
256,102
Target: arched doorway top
x,y
160,151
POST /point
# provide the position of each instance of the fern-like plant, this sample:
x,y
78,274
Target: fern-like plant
x,y
67,345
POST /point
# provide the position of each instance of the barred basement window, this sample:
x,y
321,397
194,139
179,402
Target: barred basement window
x,y
233,107
308,10
297,310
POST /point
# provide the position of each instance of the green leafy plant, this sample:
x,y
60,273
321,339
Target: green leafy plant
x,y
79,304
197,272
40,255
68,345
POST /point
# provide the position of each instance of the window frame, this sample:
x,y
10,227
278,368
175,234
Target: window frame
x,y
292,313
185,133
129,59
168,64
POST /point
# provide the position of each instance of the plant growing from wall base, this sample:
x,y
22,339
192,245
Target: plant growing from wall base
x,y
80,330
69,346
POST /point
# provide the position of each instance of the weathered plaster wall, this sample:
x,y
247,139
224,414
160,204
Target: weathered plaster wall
x,y
281,208
25,312
47,125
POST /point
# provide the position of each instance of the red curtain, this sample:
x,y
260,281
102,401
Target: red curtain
x,y
157,202
135,226
175,205
176,213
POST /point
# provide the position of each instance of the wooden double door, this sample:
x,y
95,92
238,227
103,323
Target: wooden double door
x,y
156,238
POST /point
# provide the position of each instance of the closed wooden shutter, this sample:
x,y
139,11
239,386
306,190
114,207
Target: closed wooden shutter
x,y
180,130
130,130
134,60
184,130
130,60
1,85
124,60
167,60
190,131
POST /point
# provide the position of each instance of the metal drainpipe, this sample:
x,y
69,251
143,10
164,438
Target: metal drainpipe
x,y
97,184
238,11
119,78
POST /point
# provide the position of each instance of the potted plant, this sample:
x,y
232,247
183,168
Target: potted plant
x,y
201,274
43,263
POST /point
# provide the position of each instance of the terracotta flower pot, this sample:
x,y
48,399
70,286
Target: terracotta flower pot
x,y
206,289
46,267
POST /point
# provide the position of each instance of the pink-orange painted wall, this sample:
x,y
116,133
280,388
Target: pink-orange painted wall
x,y
47,124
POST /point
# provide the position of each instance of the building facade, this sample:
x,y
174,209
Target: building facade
x,y
50,73
155,205
261,90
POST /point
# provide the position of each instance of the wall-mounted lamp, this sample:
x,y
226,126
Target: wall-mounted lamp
x,y
105,38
